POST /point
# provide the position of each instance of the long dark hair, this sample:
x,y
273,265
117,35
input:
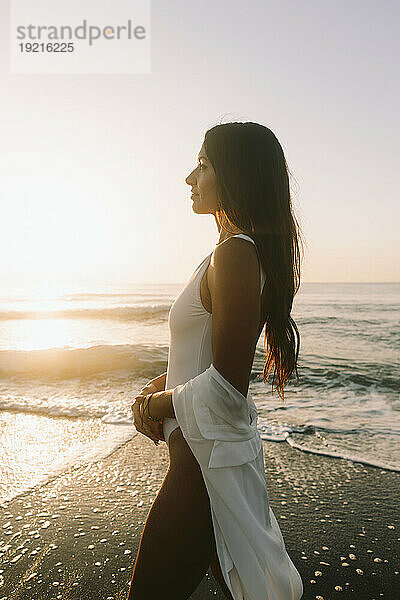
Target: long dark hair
x,y
254,196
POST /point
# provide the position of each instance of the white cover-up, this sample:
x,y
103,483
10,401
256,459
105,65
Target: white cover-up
x,y
220,427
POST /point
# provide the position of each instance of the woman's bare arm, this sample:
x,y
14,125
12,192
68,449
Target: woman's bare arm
x,y
234,282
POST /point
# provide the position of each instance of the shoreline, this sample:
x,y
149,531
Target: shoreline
x,y
61,444
82,529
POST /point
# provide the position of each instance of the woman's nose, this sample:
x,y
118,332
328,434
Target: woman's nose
x,y
191,178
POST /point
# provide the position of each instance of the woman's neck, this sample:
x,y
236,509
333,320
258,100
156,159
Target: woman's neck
x,y
224,235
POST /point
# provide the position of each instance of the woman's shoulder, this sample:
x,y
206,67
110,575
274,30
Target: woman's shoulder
x,y
235,258
236,247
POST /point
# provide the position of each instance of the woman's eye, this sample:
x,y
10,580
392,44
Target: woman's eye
x,y
202,166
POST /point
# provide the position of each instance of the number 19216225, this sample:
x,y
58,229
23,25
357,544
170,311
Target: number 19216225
x,y
49,47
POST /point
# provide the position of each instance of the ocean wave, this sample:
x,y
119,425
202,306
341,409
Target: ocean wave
x,y
135,360
56,407
105,295
120,313
369,329
340,453
154,290
353,375
66,363
357,377
348,307
343,322
277,432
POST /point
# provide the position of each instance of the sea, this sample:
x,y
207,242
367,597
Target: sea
x,y
72,361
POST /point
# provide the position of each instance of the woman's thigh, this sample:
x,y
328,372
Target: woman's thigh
x,y
177,543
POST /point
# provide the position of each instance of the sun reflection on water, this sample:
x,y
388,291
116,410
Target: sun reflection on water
x,y
37,447
43,334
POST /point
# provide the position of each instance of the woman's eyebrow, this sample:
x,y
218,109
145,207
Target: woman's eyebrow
x,y
201,156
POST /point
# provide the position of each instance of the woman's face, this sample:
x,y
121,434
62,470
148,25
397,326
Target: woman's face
x,y
203,182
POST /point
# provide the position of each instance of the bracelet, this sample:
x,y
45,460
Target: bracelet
x,y
146,409
146,402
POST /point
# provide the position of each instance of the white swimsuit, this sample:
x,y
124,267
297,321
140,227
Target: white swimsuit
x,y
190,351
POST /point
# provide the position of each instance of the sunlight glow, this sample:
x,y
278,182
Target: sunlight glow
x,y
53,226
43,334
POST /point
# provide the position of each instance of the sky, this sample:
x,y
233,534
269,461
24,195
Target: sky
x,y
93,167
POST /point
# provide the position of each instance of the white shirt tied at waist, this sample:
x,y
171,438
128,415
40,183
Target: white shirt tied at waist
x,y
208,407
220,427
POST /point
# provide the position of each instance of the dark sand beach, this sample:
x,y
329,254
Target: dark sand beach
x,y
77,536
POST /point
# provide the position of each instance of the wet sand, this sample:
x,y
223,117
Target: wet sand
x,y
77,536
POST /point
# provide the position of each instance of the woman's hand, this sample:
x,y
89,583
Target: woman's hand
x,y
151,429
149,388
155,385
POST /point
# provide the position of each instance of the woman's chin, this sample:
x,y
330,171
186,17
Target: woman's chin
x,y
198,208
195,205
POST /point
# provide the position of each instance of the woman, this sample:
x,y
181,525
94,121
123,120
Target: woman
x,y
212,508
